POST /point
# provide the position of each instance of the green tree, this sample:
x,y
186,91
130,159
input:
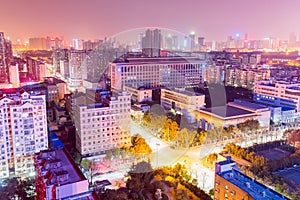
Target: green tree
x,y
90,168
108,154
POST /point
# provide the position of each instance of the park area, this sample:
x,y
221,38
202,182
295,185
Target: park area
x,y
274,153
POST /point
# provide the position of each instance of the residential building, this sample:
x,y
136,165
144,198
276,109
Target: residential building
x,y
102,124
182,101
231,183
157,72
58,177
23,132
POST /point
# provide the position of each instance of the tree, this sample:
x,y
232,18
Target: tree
x,y
17,188
108,154
139,145
170,129
293,137
146,119
90,168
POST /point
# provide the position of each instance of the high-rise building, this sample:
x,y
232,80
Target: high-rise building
x,y
201,43
3,64
14,74
37,43
23,132
102,121
76,58
192,40
151,43
157,72
231,183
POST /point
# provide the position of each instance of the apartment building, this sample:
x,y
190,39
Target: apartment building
x,y
23,132
104,124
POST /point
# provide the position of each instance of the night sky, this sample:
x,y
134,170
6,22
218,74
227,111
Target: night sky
x,y
91,19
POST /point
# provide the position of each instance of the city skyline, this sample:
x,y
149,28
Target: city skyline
x,y
100,19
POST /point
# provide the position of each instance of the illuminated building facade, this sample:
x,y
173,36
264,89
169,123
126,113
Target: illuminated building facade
x,y
182,101
157,72
102,121
23,132
279,93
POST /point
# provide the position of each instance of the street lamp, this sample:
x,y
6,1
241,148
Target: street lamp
x,y
157,144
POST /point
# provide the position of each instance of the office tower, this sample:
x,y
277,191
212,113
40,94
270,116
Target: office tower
x,y
37,43
231,183
175,42
201,43
23,132
192,40
3,64
14,74
168,42
157,72
151,43
102,121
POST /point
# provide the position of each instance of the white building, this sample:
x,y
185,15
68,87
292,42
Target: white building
x,y
139,94
183,101
58,177
14,74
279,94
156,72
23,132
103,125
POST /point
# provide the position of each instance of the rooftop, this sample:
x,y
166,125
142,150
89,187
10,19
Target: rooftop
x,y
186,92
159,60
74,175
227,111
248,104
252,187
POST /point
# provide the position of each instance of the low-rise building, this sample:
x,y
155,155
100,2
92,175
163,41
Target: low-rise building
x,y
231,183
263,112
139,94
182,101
58,177
222,116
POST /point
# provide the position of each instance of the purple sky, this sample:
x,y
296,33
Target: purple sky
x,y
91,19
